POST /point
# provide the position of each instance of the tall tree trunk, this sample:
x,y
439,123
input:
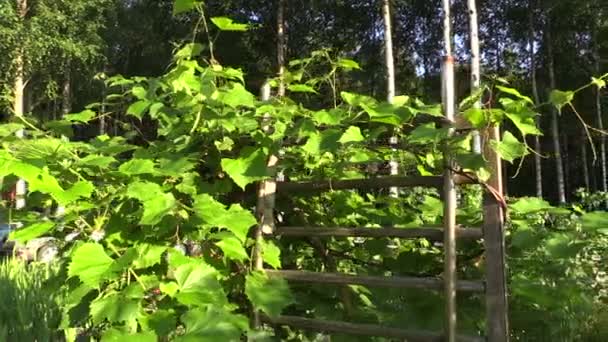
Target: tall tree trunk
x,y
388,51
559,166
537,147
66,104
19,102
102,109
449,188
281,46
585,160
598,111
475,64
566,153
390,79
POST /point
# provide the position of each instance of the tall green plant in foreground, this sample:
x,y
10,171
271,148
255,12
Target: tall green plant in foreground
x,y
29,307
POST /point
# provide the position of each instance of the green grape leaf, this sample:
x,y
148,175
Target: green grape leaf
x,y
352,134
227,24
525,120
321,142
90,263
356,100
212,324
560,98
115,335
271,254
157,204
301,88
114,308
198,285
233,248
139,92
163,322
270,295
237,96
181,6
509,148
97,160
348,64
84,117
527,205
427,133
137,167
137,109
598,82
248,168
148,255
30,232
331,117
235,219
476,117
515,93
170,289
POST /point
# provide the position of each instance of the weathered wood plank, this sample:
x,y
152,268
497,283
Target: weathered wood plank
x,y
374,281
494,240
363,329
433,234
366,184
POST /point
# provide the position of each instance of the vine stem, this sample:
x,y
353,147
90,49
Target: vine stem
x,y
201,9
130,270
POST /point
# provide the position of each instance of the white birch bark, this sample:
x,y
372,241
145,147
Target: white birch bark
x,y
475,64
19,104
281,47
390,80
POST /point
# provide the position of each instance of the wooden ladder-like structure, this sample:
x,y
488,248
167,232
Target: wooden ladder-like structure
x,y
494,284
492,233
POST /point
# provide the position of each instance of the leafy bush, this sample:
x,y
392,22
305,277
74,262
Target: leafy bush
x,y
29,309
557,259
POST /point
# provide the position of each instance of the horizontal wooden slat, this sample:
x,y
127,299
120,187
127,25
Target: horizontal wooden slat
x,y
433,234
362,329
374,281
369,183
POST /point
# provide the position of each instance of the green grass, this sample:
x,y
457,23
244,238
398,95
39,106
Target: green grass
x,y
29,309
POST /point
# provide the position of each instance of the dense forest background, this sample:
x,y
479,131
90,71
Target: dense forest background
x,y
69,42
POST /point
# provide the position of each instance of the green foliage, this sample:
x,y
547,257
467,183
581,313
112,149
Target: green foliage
x,y
30,309
130,204
555,255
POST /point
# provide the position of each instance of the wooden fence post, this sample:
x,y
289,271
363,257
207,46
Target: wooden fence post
x,y
494,240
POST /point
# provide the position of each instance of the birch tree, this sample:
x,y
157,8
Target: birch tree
x,y
19,98
390,79
475,64
281,46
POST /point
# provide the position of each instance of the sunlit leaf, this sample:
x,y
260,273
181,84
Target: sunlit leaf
x,y
90,263
248,168
227,24
509,148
